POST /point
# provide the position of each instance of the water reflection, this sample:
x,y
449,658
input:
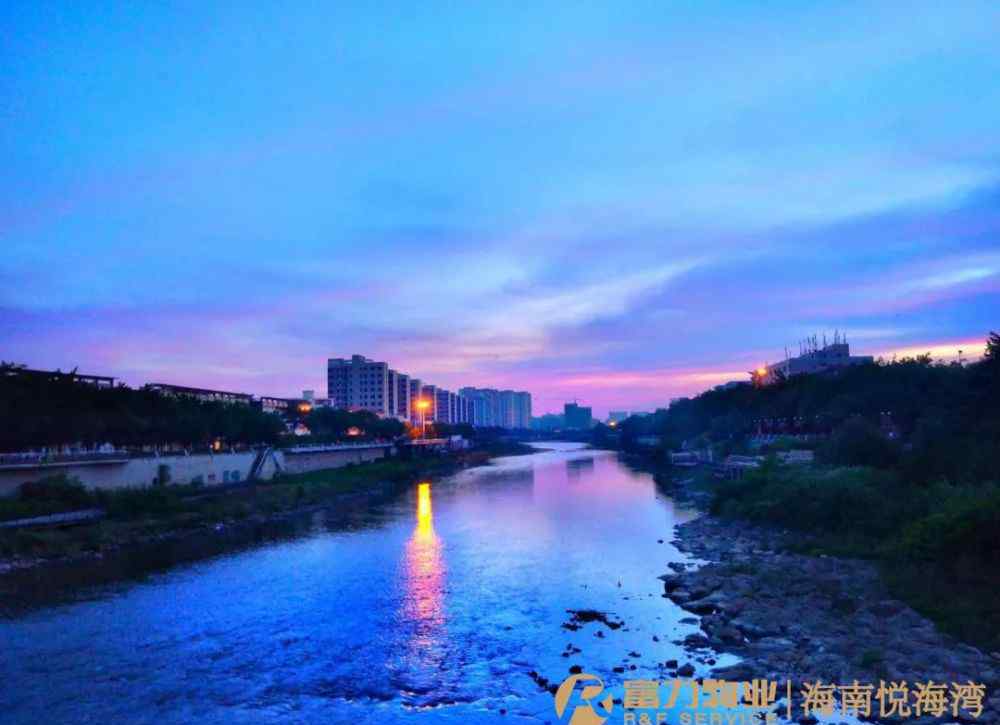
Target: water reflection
x,y
578,467
436,602
424,571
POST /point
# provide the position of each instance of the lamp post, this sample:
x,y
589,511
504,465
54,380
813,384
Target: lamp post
x,y
422,406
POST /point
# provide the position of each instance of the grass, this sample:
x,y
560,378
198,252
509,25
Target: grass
x,y
136,513
937,546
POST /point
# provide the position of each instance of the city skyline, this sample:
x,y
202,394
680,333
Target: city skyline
x,y
623,207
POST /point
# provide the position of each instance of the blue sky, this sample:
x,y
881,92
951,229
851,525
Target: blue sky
x,y
617,204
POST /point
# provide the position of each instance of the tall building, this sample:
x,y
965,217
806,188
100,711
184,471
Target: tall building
x,y
443,406
429,394
485,406
402,396
577,417
359,384
416,395
522,410
505,409
498,408
617,416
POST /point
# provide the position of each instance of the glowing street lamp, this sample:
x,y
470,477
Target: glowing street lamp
x,y
422,405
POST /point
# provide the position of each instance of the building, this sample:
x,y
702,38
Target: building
x,y
443,406
548,422
813,359
281,406
285,407
617,416
522,410
491,408
402,387
204,394
360,384
98,381
485,406
398,391
416,395
577,417
428,394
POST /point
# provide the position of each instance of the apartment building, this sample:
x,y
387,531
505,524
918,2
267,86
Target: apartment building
x,y
498,408
360,384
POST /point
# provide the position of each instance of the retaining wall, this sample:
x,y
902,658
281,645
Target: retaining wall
x,y
211,469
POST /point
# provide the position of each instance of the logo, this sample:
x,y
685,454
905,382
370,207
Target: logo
x,y
587,706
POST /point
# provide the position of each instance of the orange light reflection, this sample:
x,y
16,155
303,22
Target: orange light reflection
x,y
424,571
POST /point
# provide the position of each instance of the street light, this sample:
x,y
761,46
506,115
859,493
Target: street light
x,y
422,406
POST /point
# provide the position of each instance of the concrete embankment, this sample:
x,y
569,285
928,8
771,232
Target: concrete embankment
x,y
209,469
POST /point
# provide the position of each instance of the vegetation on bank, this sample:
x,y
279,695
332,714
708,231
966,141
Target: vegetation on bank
x,y
136,513
937,544
907,473
944,420
140,513
37,411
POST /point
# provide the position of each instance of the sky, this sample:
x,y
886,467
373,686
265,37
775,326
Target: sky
x,y
618,203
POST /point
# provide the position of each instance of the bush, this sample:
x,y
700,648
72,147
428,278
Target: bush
x,y
59,489
859,443
852,503
966,528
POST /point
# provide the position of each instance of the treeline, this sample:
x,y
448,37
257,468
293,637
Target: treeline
x,y
932,422
37,411
907,473
332,424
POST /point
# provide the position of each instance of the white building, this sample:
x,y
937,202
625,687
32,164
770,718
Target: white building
x,y
814,359
488,407
359,384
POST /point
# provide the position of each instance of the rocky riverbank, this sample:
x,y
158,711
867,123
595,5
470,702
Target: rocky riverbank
x,y
802,618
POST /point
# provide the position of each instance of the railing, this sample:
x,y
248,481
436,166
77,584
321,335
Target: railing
x,y
41,459
321,447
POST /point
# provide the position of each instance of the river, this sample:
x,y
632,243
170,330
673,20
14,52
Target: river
x,y
433,607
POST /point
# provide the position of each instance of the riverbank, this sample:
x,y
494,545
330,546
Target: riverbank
x,y
138,518
793,616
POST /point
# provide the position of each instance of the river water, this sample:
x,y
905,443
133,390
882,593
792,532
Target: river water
x,y
434,607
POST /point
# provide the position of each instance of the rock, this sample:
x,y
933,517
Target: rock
x,y
735,673
700,606
696,641
680,595
685,670
731,635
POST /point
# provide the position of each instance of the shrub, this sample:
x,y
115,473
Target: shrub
x,y
966,527
858,442
59,489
